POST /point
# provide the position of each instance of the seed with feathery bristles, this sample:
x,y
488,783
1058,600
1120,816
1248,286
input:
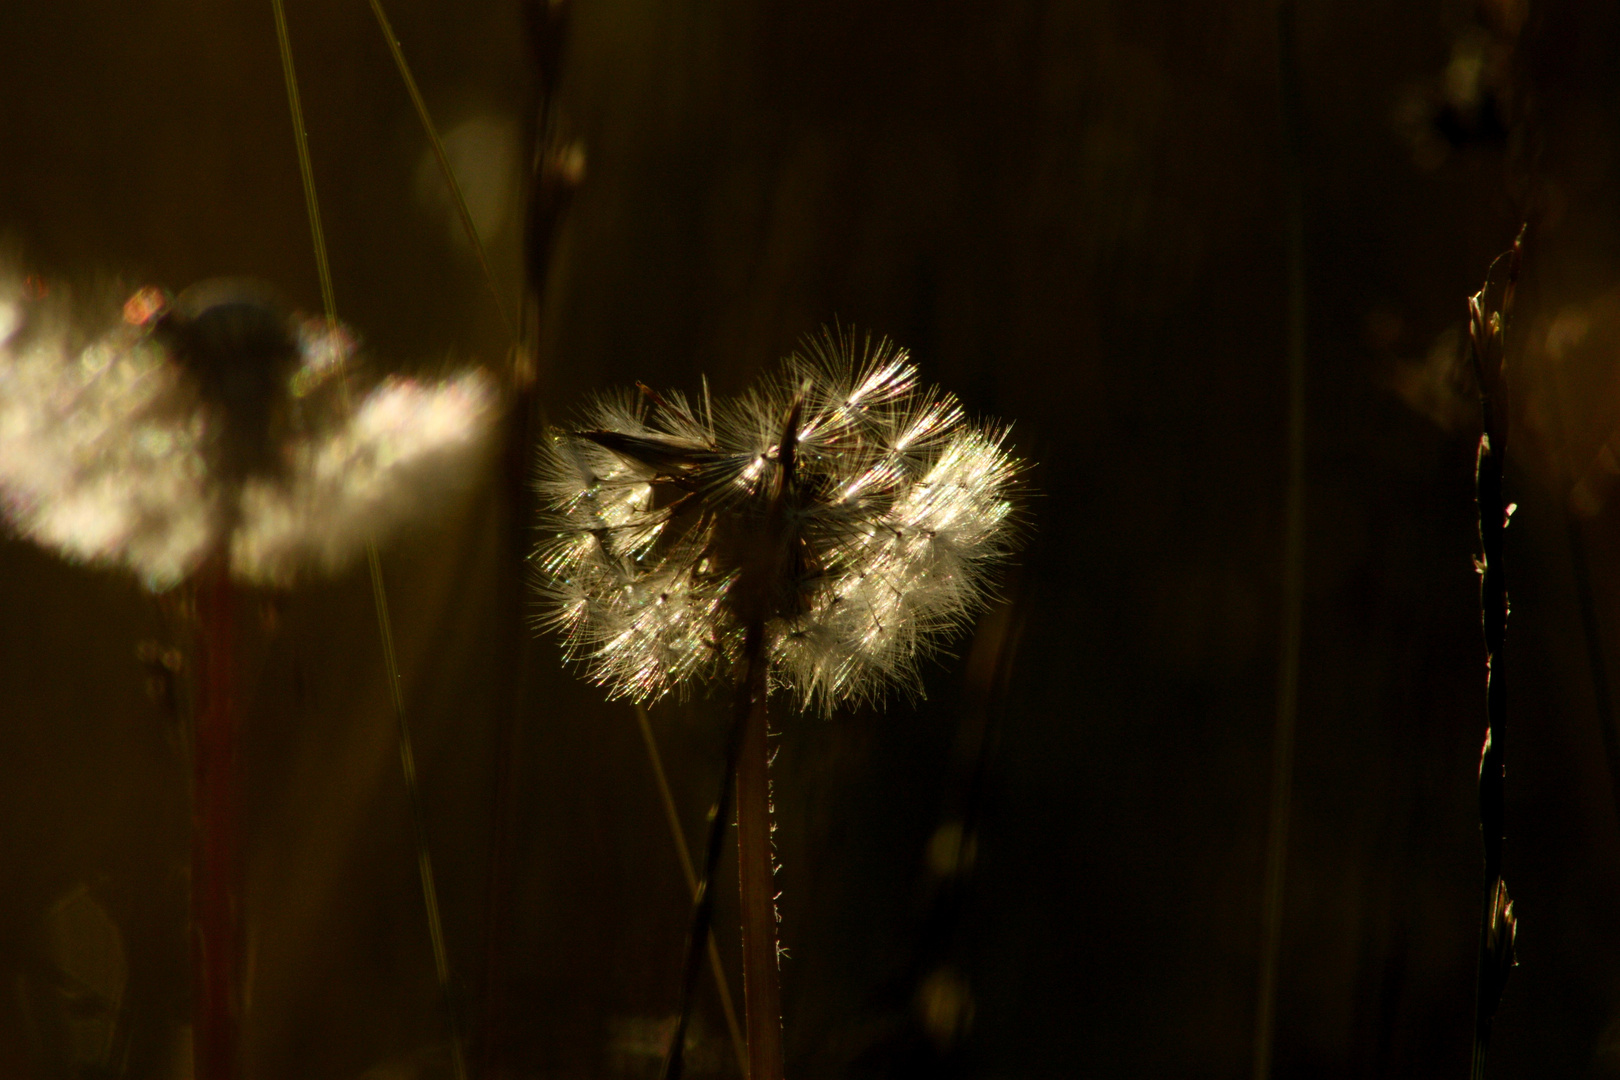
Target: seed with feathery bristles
x,y
852,511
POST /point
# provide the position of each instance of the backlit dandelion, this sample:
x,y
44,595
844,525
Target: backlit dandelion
x,y
818,534
854,512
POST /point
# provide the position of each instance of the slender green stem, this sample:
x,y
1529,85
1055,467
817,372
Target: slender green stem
x,y
424,854
407,755
306,173
444,163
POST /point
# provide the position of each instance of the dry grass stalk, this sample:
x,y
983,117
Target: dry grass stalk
x,y
1488,314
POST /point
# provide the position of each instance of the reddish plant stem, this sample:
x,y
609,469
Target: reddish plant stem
x,y
215,870
762,991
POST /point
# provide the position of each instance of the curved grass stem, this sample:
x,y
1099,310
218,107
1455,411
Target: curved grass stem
x,y
748,714
407,755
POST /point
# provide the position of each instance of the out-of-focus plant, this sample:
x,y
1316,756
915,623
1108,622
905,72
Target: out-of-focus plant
x,y
201,440
815,535
215,425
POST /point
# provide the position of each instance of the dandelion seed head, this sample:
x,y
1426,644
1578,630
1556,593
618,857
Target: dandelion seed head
x,y
856,514
408,445
151,434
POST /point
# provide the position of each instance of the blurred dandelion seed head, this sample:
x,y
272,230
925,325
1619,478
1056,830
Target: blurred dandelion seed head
x,y
151,434
854,513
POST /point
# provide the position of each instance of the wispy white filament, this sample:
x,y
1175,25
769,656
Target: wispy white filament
x,y
107,447
895,511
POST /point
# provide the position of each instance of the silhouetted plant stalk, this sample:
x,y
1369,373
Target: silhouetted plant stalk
x,y
815,535
1488,316
556,168
678,834
749,702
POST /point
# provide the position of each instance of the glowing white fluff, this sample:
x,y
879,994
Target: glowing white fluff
x,y
408,445
108,449
99,457
897,511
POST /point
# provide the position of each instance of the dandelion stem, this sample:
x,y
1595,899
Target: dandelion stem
x,y
762,992
215,871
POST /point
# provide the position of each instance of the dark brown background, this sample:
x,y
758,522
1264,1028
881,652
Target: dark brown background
x,y
1074,214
